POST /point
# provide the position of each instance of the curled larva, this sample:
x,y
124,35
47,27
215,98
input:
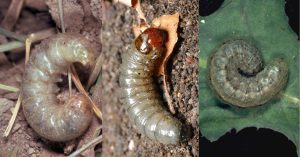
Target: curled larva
x,y
139,94
237,75
50,118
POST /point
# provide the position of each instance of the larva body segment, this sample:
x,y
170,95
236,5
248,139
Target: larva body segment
x,y
50,118
237,75
139,94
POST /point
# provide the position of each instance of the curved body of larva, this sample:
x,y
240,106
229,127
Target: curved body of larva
x,y
50,118
237,75
139,94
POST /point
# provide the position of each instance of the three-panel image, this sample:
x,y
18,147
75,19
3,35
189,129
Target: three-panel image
x,y
136,78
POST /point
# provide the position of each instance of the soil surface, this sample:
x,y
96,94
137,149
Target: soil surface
x,y
121,137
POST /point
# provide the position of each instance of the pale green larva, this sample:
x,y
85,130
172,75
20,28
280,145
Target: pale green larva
x,y
51,119
238,77
139,94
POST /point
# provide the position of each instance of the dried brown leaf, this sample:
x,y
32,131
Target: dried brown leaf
x,y
168,23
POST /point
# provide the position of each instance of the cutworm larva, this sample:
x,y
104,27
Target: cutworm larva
x,y
139,94
238,77
50,118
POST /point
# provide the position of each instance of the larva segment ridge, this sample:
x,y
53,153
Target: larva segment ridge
x,y
51,119
139,94
238,77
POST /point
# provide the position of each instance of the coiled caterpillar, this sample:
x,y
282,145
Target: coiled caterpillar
x,y
236,74
139,94
45,114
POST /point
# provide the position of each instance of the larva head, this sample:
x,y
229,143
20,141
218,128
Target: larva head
x,y
151,43
75,48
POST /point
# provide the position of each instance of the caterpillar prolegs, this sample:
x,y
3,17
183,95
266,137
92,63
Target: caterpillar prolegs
x,y
45,114
139,94
237,75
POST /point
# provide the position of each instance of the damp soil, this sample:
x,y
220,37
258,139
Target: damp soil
x,y
121,137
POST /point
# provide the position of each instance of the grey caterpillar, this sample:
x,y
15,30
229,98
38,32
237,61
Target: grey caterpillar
x,y
238,77
50,118
139,94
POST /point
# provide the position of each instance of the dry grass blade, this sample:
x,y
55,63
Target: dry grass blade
x,y
82,90
9,88
61,15
167,95
92,143
8,23
11,45
168,23
36,37
97,131
96,71
14,152
13,118
12,35
70,81
12,14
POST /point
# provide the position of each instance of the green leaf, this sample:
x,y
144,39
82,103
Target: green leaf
x,y
265,24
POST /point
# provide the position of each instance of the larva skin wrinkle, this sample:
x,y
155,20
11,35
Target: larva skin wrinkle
x,y
237,76
139,94
51,119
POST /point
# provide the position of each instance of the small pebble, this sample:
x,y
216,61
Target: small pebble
x,y
131,145
190,101
30,151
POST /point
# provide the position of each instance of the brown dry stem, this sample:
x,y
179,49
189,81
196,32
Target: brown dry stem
x,y
92,143
95,72
61,15
13,118
81,89
9,21
9,88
